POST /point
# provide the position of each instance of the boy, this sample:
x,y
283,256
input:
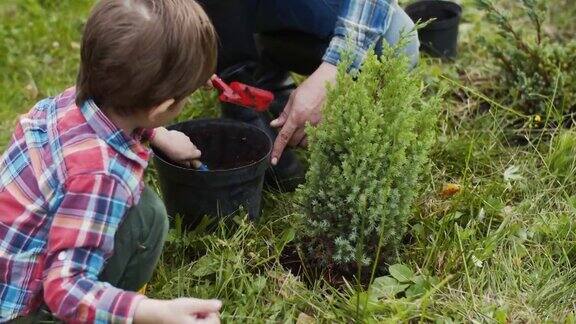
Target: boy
x,y
78,231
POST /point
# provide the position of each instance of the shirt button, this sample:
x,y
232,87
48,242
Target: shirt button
x,y
62,256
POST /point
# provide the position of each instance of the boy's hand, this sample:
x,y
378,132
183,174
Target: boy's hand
x,y
181,310
177,147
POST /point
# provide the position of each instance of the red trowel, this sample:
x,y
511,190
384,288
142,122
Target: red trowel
x,y
243,95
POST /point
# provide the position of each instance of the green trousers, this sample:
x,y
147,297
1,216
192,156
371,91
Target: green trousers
x,y
138,244
137,247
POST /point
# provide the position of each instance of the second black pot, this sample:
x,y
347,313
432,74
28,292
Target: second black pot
x,y
237,155
440,37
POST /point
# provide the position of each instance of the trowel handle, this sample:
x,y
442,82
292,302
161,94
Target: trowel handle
x,y
198,165
223,88
203,167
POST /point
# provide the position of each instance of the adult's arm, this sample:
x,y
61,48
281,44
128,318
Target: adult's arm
x,y
359,26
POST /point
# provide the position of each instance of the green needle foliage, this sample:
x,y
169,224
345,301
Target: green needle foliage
x,y
537,70
365,161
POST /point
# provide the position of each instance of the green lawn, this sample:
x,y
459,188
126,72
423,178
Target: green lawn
x,y
502,249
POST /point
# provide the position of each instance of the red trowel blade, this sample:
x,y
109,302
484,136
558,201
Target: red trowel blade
x,y
252,97
243,95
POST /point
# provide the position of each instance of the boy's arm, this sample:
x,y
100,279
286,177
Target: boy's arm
x,y
80,240
359,26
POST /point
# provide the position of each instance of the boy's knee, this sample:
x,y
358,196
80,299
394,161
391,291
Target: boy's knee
x,y
150,217
138,244
156,213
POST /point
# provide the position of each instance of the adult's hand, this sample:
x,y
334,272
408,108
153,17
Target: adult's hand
x,y
304,106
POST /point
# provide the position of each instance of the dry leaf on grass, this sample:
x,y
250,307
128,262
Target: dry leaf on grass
x,y
450,189
304,318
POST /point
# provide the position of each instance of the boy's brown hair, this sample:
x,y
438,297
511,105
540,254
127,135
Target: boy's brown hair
x,y
138,53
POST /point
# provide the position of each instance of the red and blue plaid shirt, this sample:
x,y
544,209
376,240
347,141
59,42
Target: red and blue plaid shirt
x,y
66,181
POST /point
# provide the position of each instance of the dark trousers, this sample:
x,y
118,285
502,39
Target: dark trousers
x,y
137,248
309,22
291,34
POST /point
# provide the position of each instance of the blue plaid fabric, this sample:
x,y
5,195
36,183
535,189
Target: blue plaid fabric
x,y
360,25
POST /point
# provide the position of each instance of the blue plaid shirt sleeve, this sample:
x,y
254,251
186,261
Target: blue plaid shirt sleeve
x,y
360,25
81,238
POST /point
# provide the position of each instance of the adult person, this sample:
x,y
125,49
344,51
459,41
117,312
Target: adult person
x,y
262,40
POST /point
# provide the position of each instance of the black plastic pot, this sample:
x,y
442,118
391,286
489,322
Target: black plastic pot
x,y
440,37
237,155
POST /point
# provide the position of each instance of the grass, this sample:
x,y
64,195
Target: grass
x,y
501,250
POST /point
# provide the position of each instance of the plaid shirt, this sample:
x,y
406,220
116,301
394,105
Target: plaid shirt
x,y
66,181
360,25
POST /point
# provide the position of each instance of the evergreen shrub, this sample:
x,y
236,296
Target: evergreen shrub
x,y
536,70
366,158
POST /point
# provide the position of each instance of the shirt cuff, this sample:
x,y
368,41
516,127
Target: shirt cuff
x,y
339,48
121,305
145,134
